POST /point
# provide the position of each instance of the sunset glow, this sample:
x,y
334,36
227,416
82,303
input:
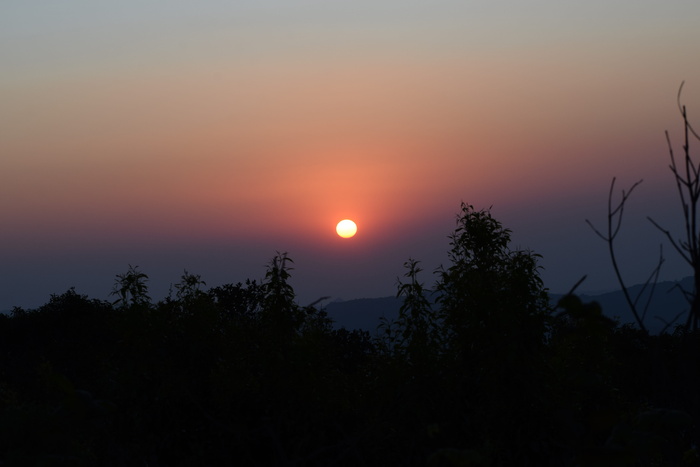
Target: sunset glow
x,y
183,135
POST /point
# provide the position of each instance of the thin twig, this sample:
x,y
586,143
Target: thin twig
x,y
688,186
653,280
668,323
679,249
571,292
680,108
614,219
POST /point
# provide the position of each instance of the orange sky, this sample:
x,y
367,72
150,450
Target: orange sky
x,y
217,135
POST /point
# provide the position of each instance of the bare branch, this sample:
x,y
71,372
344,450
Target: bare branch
x,y
688,186
651,280
596,230
687,181
576,285
675,245
669,323
681,109
615,219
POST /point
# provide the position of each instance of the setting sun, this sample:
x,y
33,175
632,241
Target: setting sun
x,y
346,228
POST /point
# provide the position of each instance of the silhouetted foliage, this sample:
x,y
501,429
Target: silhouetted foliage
x,y
131,289
478,371
494,306
416,333
190,287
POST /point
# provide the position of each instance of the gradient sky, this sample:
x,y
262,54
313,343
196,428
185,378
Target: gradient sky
x,y
208,135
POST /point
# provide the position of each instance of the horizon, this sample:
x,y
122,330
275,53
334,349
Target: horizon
x,y
207,137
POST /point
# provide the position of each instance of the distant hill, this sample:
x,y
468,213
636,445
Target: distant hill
x,y
363,313
667,302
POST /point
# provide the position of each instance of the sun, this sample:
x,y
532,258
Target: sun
x,y
346,228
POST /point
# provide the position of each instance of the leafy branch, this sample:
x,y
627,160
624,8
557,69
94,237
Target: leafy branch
x,y
131,288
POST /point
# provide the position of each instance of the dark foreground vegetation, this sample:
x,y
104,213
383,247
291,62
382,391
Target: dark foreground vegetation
x,y
481,371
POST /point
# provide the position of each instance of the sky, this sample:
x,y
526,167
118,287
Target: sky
x,y
209,135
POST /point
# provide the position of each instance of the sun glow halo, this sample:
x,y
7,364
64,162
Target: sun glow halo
x,y
346,228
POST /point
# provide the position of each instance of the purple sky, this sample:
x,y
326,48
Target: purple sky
x,y
206,136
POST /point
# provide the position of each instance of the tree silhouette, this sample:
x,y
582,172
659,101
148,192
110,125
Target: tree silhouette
x,y
479,370
190,286
490,291
131,289
688,185
687,181
419,333
486,339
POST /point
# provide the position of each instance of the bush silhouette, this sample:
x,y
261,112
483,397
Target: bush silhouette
x,y
478,370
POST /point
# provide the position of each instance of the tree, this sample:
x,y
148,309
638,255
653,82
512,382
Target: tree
x,y
614,221
280,312
239,302
279,294
495,307
418,326
490,290
688,184
131,289
190,286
